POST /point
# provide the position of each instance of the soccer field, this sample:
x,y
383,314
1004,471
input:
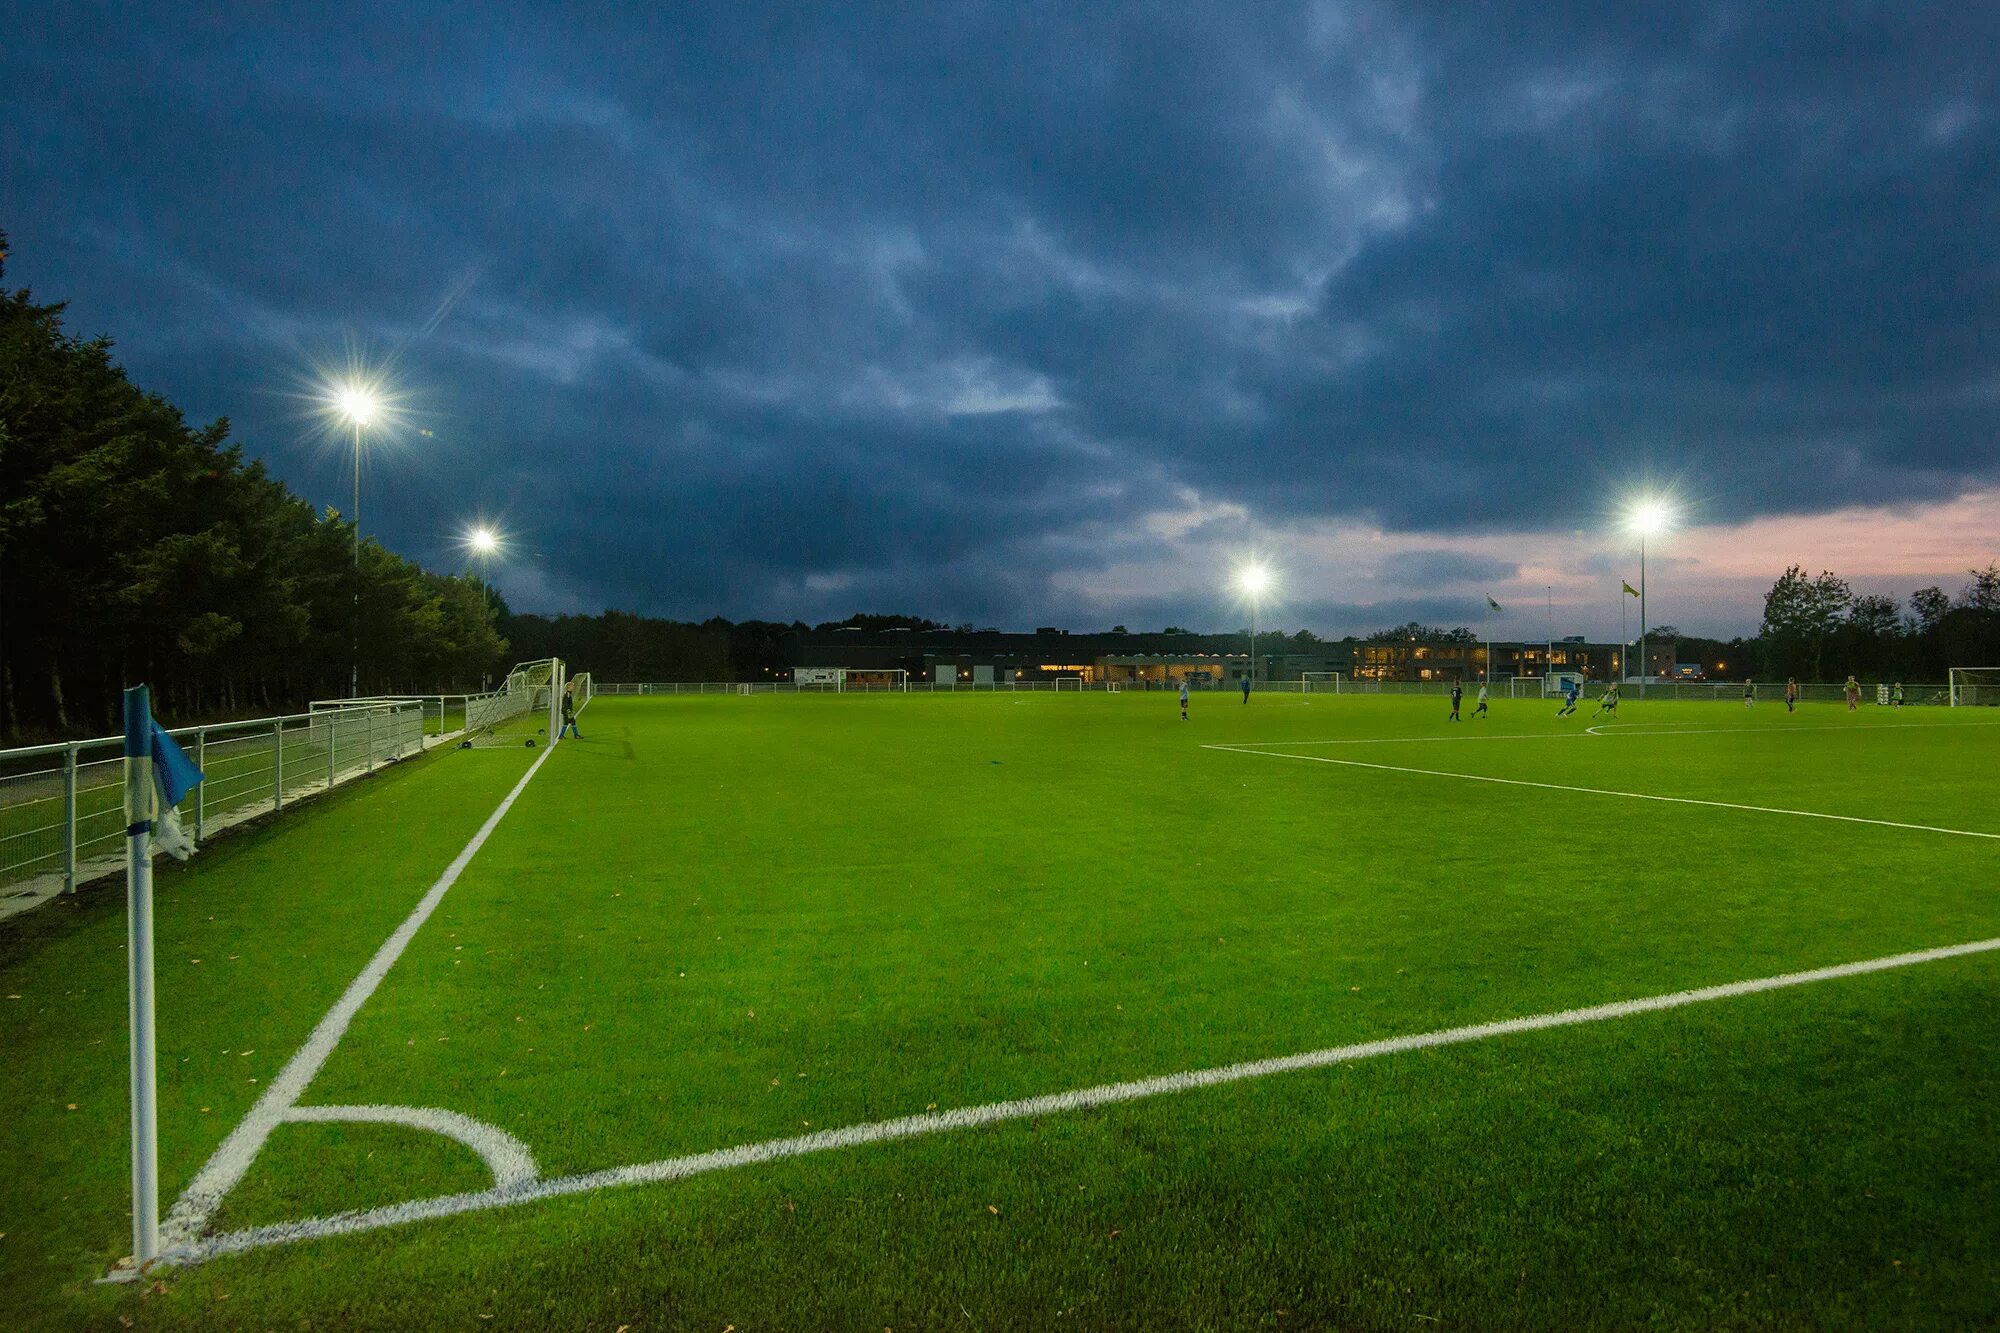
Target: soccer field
x,y
865,1012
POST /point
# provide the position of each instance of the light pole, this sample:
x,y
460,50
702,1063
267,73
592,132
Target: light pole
x,y
483,542
1253,579
1647,517
359,405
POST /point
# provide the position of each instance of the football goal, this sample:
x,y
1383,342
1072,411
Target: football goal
x,y
1069,683
1320,682
529,690
1972,687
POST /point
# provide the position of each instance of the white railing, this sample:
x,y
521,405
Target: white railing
x,y
1520,687
62,806
443,713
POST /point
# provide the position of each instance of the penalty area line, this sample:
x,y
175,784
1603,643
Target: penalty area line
x,y
1607,791
972,1117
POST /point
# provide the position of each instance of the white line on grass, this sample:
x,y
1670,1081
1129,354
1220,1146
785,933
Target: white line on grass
x,y
205,1193
1110,1094
505,1156
1605,791
1602,729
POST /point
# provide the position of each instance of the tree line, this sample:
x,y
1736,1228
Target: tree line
x,y
1817,628
137,547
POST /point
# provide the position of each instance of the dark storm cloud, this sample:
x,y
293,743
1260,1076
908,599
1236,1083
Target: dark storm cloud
x,y
789,312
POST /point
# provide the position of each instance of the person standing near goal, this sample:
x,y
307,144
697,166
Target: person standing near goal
x,y
569,715
1853,688
1184,716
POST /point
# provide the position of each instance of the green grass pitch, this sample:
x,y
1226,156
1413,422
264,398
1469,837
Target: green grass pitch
x,y
721,921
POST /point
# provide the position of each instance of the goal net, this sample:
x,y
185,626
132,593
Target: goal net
x,y
1069,683
523,711
580,689
1972,687
1320,682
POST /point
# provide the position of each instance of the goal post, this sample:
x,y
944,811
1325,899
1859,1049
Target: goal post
x,y
1973,687
1321,682
1070,683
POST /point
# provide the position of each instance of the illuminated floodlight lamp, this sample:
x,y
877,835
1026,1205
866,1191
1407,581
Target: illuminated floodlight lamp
x,y
1648,517
1254,580
356,402
482,541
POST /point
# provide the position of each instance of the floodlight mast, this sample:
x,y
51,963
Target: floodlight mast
x,y
1253,579
357,403
1647,517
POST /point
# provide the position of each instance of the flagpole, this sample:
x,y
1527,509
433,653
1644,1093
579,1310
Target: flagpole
x,y
139,802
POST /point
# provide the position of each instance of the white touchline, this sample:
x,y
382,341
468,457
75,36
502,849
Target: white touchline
x,y
205,1193
198,1250
1606,791
1604,729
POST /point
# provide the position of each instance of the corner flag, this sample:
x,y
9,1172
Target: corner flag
x,y
157,776
1490,602
1631,591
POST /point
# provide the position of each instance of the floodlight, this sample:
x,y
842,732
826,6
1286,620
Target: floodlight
x,y
1253,579
1648,517
356,402
483,541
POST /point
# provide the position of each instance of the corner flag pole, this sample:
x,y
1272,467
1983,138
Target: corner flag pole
x,y
139,810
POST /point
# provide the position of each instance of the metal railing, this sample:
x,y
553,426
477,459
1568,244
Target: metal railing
x,y
62,815
1520,687
443,713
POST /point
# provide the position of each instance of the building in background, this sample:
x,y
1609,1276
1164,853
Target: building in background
x,y
992,657
1457,659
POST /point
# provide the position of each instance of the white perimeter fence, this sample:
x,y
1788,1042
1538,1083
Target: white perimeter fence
x,y
1525,687
62,817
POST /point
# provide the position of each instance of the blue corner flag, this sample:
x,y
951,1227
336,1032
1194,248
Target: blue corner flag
x,y
173,772
158,775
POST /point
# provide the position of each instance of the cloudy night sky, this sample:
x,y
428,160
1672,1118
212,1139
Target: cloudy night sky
x,y
1030,314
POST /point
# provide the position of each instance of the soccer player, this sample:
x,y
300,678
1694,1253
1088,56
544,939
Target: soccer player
x,y
1749,694
1853,688
1896,695
1246,688
1457,693
568,715
1184,716
1791,694
1571,693
1607,702
1481,710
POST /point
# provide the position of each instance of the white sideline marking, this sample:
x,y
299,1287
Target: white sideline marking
x,y
205,1193
915,1126
505,1156
1606,791
1601,729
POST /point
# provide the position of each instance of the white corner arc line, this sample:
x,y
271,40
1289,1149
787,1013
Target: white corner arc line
x,y
1607,791
222,1172
509,1159
1108,1094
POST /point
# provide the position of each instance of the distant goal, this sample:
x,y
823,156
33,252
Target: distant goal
x,y
1974,687
1322,682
